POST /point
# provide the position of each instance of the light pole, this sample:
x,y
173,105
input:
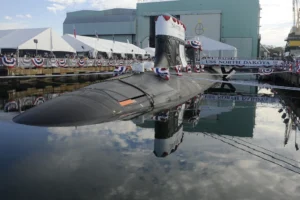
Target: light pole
x,y
36,42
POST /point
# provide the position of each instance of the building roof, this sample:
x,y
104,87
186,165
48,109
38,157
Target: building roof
x,y
48,40
90,16
83,44
212,45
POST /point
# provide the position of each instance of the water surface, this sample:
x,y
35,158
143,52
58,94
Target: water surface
x,y
237,150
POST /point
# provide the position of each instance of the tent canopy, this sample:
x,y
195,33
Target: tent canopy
x,y
150,51
212,45
23,39
84,44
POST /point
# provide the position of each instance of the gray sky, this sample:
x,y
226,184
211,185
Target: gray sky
x,y
276,21
276,15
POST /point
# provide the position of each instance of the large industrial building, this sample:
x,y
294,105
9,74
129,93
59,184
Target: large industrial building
x,y
235,22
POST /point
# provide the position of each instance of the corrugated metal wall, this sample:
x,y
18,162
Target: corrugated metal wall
x,y
239,19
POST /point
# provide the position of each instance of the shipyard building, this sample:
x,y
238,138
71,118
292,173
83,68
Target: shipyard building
x,y
235,22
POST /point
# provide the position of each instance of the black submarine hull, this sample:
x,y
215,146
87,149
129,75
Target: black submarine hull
x,y
131,96
119,99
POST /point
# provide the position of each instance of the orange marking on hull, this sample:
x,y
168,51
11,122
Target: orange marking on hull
x,y
127,102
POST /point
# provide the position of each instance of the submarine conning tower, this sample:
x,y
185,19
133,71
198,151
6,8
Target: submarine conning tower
x,y
169,42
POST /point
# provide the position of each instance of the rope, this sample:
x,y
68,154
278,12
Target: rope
x,y
261,152
253,154
268,150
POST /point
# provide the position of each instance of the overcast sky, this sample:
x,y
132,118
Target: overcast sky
x,y
276,15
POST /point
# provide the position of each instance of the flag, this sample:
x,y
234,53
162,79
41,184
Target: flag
x,y
96,34
74,31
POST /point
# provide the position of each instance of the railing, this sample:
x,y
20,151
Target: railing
x,y
61,62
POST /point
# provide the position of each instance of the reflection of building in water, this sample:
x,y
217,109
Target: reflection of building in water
x,y
228,117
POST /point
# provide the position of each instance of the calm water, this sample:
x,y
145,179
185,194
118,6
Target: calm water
x,y
237,150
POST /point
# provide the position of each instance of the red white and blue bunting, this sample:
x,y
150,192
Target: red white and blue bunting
x,y
62,62
111,63
266,71
9,62
162,72
90,62
81,63
52,62
39,101
120,70
99,63
25,62
73,62
161,117
197,69
38,62
11,106
27,101
195,44
178,70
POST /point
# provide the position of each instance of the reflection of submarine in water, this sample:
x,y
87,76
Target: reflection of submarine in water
x,y
219,116
128,96
168,131
168,126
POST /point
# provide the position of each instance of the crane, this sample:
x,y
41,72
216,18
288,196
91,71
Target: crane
x,y
296,14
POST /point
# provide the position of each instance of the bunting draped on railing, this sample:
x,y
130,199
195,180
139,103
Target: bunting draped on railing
x,y
81,63
9,62
62,62
25,62
263,65
266,71
38,62
98,63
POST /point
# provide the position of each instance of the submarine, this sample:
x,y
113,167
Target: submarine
x,y
130,95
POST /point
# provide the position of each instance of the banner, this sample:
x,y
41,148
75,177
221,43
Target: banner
x,y
241,98
242,63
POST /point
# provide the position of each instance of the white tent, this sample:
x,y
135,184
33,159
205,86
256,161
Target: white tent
x,y
48,40
84,44
210,46
150,51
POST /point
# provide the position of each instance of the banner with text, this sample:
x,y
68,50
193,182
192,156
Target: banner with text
x,y
242,63
241,98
